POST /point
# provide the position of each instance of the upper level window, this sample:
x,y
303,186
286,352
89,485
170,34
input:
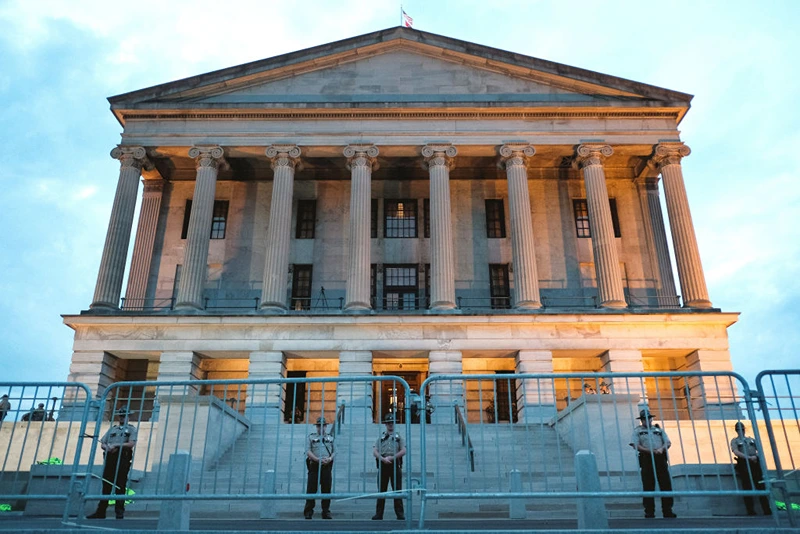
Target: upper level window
x,y
306,219
301,287
400,218
581,211
499,286
400,287
495,218
219,219
373,223
426,208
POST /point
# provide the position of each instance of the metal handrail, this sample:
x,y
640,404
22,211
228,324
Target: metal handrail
x,y
128,304
464,433
494,303
339,421
304,304
253,306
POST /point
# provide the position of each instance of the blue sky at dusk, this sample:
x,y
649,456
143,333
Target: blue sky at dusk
x,y
59,61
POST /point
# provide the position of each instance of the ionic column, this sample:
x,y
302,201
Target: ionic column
x,y
446,393
143,245
514,158
265,401
535,397
284,160
667,159
439,161
112,265
356,396
195,259
654,221
604,248
361,162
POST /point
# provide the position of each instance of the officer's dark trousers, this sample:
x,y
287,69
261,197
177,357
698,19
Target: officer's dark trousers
x,y
323,474
115,477
748,477
390,473
646,462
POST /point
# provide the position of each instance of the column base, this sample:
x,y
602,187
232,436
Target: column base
x,y
527,305
103,307
190,307
272,308
357,307
700,303
444,307
614,304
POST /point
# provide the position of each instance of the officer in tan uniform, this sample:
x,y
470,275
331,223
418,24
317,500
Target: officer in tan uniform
x,y
320,452
389,450
117,445
748,468
651,442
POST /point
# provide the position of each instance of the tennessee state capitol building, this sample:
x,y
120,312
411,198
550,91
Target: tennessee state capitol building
x,y
399,203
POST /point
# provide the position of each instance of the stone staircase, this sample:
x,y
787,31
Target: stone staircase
x,y
545,463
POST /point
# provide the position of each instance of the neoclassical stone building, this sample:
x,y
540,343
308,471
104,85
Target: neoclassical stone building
x,y
399,203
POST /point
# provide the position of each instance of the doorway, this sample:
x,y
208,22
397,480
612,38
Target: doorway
x,y
294,408
392,397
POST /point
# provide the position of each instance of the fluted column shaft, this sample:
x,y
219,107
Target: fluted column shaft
x,y
439,161
523,249
284,159
361,162
687,255
112,264
143,245
666,289
195,259
604,248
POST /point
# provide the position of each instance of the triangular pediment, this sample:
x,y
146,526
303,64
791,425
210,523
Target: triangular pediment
x,y
396,68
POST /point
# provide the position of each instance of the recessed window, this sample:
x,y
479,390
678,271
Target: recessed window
x,y
400,218
400,287
306,219
219,220
301,287
426,208
495,219
373,284
581,211
373,223
499,287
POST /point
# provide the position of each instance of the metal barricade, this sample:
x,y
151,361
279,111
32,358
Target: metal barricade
x,y
779,397
523,432
42,425
246,441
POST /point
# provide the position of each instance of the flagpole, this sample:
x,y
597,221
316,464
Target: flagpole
x,y
401,14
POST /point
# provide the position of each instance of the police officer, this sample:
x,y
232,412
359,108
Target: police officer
x,y
389,450
320,452
117,445
748,468
652,443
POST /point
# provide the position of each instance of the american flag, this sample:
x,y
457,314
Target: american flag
x,y
408,22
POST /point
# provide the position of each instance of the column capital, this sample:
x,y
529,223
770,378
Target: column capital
x,y
208,157
586,155
131,156
361,156
669,154
284,156
515,155
153,186
439,155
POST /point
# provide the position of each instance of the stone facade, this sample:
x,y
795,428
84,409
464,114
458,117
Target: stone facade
x,y
399,200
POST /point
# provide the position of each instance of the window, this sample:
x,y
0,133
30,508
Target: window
x,y
373,223
301,287
400,287
306,219
498,286
400,218
426,207
495,219
581,210
373,284
219,219
427,303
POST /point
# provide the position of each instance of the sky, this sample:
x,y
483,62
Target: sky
x,y
60,60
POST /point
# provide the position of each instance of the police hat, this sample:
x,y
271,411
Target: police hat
x,y
645,414
321,421
389,418
122,412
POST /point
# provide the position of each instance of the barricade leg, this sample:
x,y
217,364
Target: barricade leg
x,y
516,508
268,505
174,515
591,511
